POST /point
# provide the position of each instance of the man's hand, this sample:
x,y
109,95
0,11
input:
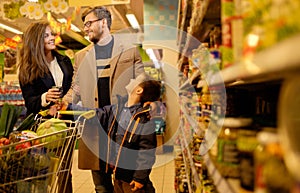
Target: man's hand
x,y
135,185
53,110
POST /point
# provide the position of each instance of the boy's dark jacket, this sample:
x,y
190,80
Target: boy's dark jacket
x,y
137,155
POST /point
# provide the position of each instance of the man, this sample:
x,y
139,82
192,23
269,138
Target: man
x,y
101,71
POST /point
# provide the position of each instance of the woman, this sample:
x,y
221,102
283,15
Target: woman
x,y
41,68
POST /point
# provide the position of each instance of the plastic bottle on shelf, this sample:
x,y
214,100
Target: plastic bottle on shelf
x,y
206,105
228,154
247,143
271,174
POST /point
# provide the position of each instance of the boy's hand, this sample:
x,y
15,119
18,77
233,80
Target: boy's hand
x,y
155,108
135,185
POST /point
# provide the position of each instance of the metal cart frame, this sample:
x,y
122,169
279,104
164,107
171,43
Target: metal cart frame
x,y
41,164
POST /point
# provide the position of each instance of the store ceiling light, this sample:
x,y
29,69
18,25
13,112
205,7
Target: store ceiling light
x,y
133,21
13,30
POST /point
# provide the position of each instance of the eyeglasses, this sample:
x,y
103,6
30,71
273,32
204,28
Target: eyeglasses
x,y
89,23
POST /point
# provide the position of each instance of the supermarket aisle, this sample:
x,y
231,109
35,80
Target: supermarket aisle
x,y
162,175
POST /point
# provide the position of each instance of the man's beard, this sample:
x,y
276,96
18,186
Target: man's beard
x,y
95,40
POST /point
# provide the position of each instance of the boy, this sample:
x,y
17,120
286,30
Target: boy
x,y
129,142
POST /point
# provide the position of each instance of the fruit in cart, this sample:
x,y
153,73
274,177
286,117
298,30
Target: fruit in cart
x,y
28,134
4,141
52,126
35,142
24,145
1,144
15,136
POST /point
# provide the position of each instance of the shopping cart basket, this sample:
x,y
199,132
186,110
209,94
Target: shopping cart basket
x,y
41,164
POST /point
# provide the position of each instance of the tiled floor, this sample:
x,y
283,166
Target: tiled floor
x,y
162,175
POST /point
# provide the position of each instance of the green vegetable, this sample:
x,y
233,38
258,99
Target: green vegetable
x,y
27,123
50,126
3,118
9,117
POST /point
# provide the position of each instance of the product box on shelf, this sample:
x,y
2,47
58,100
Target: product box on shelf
x,y
266,23
232,32
250,26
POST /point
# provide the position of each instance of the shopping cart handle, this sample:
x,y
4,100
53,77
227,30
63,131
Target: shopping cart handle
x,y
86,114
89,114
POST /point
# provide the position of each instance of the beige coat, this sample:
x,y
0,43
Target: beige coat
x,y
125,55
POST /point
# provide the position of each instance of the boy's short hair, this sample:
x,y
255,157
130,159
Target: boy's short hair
x,y
151,91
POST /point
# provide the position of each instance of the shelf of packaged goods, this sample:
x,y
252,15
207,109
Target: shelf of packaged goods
x,y
192,122
184,149
270,64
185,85
199,11
196,125
223,185
188,83
194,13
189,156
183,22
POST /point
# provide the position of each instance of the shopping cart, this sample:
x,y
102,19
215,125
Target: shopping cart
x,y
41,164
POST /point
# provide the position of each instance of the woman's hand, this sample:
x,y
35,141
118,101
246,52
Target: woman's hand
x,y
53,95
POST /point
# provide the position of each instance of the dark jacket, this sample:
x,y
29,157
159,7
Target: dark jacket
x,y
32,92
137,143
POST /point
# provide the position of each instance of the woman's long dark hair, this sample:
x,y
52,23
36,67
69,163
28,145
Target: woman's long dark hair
x,y
32,61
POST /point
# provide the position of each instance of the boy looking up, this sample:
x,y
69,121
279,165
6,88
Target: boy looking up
x,y
128,138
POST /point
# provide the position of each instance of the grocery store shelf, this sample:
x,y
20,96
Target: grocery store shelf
x,y
188,83
185,147
186,165
223,185
183,22
266,65
191,121
10,77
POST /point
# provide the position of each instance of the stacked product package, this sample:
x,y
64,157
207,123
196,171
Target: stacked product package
x,y
250,26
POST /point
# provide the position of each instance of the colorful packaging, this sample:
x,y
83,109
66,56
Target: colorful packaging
x,y
232,32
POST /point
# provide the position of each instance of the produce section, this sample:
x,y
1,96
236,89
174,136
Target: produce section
x,y
10,92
